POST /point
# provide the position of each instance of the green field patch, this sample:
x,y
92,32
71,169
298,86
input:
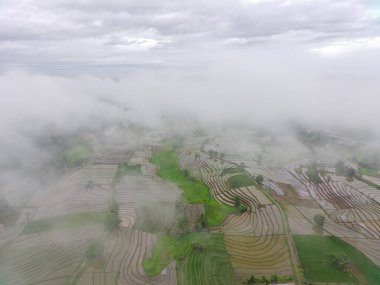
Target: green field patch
x,y
240,180
194,190
369,183
230,170
163,254
77,155
369,172
125,169
313,174
130,169
314,254
201,258
66,221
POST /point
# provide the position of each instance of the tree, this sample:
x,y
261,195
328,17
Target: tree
x,y
274,278
111,222
319,220
350,172
341,261
251,280
264,280
259,179
183,224
95,250
203,221
237,201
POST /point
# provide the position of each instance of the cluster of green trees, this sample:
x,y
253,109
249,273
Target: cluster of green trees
x,y
259,179
342,169
264,280
241,208
215,154
312,173
341,261
311,138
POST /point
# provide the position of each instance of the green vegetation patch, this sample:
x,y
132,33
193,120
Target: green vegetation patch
x,y
130,169
61,222
163,254
230,170
368,171
315,257
240,180
312,173
77,155
370,183
194,191
201,258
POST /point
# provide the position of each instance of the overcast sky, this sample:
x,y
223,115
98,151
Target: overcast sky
x,y
257,60
83,34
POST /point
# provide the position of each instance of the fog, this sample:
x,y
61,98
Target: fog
x,y
255,63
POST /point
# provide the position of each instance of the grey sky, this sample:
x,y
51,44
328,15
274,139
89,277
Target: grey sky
x,y
80,34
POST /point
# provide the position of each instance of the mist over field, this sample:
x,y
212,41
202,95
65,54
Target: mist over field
x,y
269,89
97,97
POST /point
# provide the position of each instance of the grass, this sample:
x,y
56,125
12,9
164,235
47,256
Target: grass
x,y
230,170
368,171
240,180
66,221
370,183
77,155
201,258
162,255
312,173
194,191
314,251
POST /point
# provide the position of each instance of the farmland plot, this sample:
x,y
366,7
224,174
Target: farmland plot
x,y
259,255
255,239
48,256
123,261
145,195
85,190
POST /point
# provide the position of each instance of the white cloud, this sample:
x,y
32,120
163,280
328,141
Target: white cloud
x,y
353,45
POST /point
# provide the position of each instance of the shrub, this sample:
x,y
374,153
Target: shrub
x,y
319,220
95,250
259,179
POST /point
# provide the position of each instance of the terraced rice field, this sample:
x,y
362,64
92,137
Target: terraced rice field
x,y
209,265
73,193
51,256
125,251
255,239
259,255
180,221
314,256
144,195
